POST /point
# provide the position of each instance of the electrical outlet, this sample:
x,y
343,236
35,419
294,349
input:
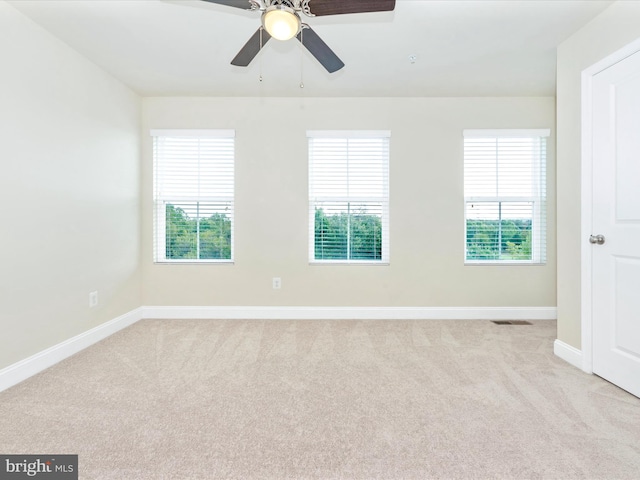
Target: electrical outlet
x,y
277,283
93,299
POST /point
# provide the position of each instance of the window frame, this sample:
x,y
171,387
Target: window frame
x,y
538,199
160,204
384,201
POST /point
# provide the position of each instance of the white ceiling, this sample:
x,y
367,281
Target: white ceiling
x,y
183,47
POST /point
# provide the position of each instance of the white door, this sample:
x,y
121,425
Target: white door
x,y
616,216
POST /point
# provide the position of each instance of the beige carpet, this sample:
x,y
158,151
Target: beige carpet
x,y
326,399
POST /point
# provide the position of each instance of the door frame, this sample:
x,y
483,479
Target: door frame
x,y
586,201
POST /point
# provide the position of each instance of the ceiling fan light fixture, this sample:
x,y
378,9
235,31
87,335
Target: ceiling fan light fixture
x,y
281,22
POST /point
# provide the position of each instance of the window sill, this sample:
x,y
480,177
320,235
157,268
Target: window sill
x,y
506,263
193,262
348,263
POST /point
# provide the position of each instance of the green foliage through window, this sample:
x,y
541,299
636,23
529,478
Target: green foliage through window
x,y
509,239
350,235
197,236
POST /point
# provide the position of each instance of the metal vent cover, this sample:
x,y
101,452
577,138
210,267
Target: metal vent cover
x,y
511,322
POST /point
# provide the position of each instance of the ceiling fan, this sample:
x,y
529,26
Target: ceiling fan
x,y
281,20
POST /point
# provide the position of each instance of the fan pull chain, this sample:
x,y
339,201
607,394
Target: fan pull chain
x,y
260,76
301,59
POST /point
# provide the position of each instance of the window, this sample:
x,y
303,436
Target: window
x,y
349,196
193,195
505,196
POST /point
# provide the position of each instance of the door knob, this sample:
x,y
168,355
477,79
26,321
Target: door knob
x,y
596,239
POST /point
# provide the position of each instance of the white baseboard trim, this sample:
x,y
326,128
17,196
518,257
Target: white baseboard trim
x,y
351,313
568,353
19,371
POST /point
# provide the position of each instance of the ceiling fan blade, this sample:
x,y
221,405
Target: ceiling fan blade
x,y
320,50
333,7
251,48
244,4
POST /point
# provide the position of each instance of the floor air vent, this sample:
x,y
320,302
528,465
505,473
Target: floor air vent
x,y
511,322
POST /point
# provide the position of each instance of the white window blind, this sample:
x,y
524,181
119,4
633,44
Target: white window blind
x,y
505,196
349,196
193,195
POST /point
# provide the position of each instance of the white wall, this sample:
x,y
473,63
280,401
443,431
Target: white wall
x,y
69,191
427,227
614,28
